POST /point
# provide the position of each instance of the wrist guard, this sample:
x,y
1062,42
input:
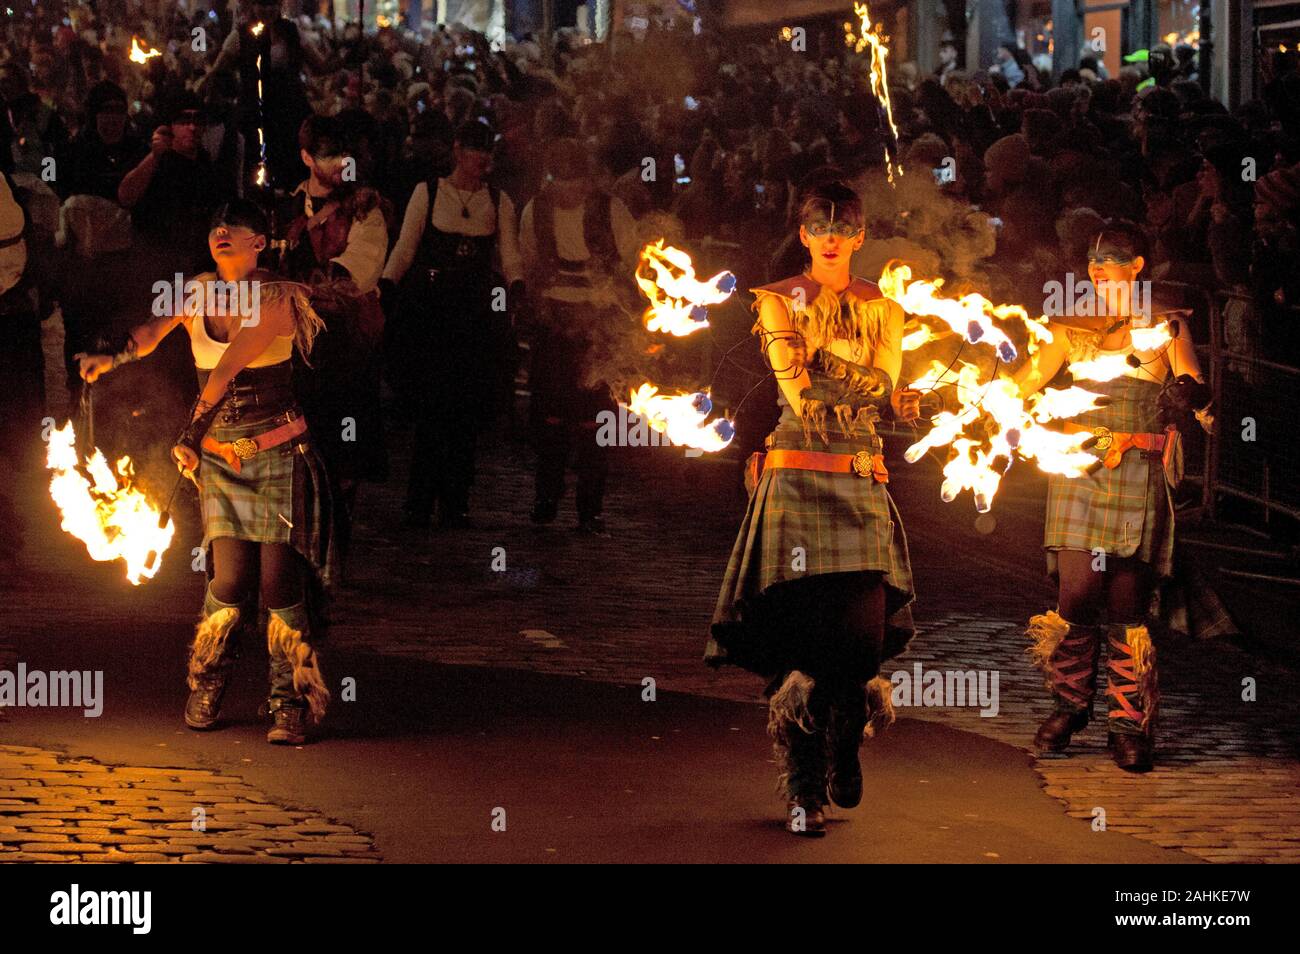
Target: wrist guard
x,y
120,346
1181,399
857,379
200,421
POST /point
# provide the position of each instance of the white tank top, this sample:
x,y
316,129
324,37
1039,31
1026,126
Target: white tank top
x,y
208,352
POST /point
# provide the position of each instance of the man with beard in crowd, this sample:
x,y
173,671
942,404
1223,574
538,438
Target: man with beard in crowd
x,y
334,237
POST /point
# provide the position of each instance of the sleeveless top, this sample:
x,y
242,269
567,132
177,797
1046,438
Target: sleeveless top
x,y
207,351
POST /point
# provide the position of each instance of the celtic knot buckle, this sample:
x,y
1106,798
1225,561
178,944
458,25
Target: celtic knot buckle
x,y
245,448
863,464
1103,436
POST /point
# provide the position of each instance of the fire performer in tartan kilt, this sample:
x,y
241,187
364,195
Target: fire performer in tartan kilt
x,y
263,488
1110,533
816,594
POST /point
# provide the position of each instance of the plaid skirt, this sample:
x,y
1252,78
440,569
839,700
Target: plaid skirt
x,y
280,495
1124,512
802,524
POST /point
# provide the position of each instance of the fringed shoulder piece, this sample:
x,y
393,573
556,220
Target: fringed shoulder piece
x,y
822,316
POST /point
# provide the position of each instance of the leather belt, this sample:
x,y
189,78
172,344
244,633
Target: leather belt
x,y
236,452
1115,444
861,464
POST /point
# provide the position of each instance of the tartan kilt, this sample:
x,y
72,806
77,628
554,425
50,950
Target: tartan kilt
x,y
844,523
280,495
1124,512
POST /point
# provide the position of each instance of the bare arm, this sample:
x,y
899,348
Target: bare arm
x,y
889,355
784,350
1043,365
141,340
1181,354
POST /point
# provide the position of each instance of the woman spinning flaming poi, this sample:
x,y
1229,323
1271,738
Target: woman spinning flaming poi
x,y
1122,511
263,488
817,590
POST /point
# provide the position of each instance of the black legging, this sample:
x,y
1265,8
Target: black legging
x,y
1121,590
830,626
240,568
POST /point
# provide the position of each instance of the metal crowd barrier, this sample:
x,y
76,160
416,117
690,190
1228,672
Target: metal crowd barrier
x,y
1252,455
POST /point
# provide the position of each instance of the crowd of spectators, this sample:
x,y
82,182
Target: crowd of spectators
x,y
699,135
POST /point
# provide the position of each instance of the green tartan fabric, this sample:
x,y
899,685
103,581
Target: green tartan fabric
x,y
280,495
1124,512
841,523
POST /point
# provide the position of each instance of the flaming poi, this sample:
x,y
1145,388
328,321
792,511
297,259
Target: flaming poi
x,y
683,418
993,425
679,302
971,316
141,54
100,507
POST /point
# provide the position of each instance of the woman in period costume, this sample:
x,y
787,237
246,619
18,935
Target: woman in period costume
x,y
264,491
1110,533
817,592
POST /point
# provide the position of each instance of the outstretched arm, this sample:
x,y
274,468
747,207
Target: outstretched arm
x,y
1044,363
138,342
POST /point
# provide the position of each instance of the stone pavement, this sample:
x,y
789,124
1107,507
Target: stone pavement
x,y
635,606
54,808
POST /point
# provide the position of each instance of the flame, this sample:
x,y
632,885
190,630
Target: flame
x,y
1107,367
970,316
678,300
682,417
993,426
923,334
873,36
257,28
111,517
141,54
260,178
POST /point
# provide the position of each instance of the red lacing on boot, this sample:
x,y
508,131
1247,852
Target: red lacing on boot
x,y
1122,668
1074,686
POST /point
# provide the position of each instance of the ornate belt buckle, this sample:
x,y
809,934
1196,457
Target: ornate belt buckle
x,y
863,465
1103,437
245,448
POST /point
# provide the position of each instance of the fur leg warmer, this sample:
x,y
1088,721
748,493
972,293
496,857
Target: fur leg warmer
x,y
295,666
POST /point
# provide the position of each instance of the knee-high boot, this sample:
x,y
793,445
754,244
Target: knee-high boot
x,y
797,724
1068,654
212,657
1133,687
298,693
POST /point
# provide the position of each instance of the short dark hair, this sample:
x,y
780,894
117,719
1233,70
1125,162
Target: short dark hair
x,y
1122,236
476,135
239,213
834,200
323,136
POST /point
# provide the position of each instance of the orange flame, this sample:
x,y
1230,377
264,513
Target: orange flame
x,y
970,316
678,300
682,418
873,36
1107,367
141,54
111,517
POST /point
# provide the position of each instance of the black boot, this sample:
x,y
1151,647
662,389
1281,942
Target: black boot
x,y
212,657
1054,734
1068,654
1134,690
848,722
798,733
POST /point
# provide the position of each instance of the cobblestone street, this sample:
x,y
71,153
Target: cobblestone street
x,y
620,610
